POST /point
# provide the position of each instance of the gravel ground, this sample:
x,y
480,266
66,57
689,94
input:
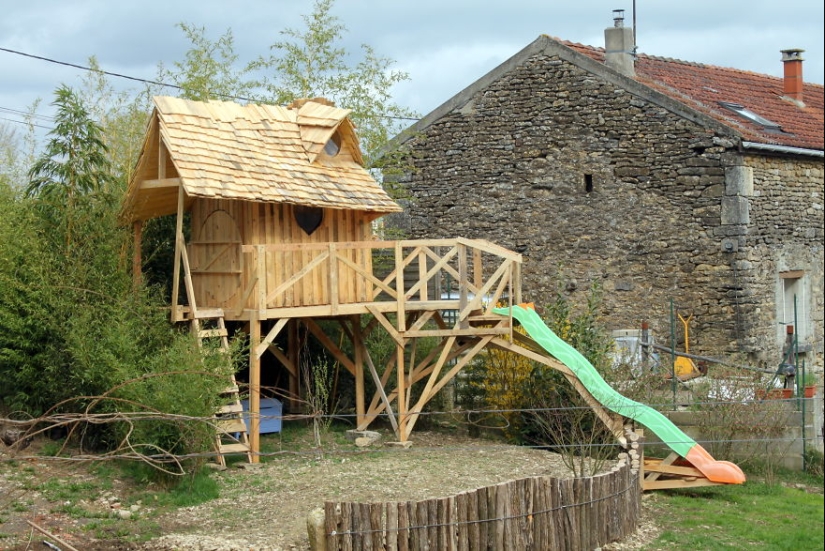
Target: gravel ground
x,y
264,507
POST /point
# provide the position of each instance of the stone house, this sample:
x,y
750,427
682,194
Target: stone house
x,y
664,181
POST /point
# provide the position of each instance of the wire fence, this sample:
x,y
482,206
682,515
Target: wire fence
x,y
772,428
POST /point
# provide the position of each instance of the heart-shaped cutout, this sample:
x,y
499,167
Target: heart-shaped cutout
x,y
308,218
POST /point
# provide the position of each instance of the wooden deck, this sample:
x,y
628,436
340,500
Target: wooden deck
x,y
374,277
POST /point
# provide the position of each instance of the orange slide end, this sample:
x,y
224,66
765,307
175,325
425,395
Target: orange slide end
x,y
716,471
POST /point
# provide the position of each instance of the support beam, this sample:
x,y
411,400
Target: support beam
x,y
255,390
137,243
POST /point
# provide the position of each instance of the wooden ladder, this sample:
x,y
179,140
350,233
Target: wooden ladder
x,y
232,435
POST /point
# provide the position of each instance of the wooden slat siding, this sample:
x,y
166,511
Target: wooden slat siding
x,y
492,516
481,517
462,531
417,532
433,530
332,525
379,522
391,515
504,526
444,529
530,514
358,524
404,536
346,527
423,512
543,538
452,524
524,510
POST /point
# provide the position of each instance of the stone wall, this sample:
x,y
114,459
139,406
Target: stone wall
x,y
603,187
785,235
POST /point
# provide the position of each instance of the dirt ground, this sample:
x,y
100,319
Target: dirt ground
x,y
262,507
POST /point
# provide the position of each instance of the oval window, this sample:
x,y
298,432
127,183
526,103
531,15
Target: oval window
x,y
333,145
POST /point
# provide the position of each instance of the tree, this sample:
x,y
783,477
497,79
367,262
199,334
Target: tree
x,y
310,63
73,166
122,116
207,71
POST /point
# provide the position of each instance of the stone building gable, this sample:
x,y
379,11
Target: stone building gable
x,y
586,172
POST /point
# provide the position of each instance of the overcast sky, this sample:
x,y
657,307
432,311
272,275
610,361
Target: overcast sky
x,y
444,45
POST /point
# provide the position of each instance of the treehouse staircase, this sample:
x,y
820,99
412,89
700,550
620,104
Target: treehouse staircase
x,y
232,435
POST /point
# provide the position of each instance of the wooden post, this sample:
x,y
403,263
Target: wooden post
x,y
254,388
137,273
402,394
293,352
360,352
176,269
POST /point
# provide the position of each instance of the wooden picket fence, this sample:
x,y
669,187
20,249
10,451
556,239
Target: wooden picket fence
x,y
539,513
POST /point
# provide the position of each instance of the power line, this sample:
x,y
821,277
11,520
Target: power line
x,y
26,123
84,68
143,80
26,114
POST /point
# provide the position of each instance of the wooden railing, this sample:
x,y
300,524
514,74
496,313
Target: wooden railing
x,y
469,276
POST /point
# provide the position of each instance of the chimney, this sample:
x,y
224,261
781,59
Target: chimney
x,y
792,59
620,46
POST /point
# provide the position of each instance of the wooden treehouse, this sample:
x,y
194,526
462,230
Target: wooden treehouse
x,y
281,237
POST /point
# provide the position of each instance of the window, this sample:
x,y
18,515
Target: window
x,y
588,183
746,113
333,145
792,303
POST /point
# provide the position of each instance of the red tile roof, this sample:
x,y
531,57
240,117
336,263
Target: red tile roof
x,y
702,87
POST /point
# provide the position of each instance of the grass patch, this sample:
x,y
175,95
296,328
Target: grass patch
x,y
754,516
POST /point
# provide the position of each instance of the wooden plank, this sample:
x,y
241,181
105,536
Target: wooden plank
x,y
503,524
444,527
271,336
392,526
404,533
482,517
370,528
451,528
462,506
417,531
346,539
178,245
399,287
433,531
160,183
356,528
669,484
332,517
391,330
541,514
333,288
296,277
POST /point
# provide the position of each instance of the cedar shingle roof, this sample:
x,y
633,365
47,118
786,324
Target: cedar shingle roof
x,y
261,153
702,87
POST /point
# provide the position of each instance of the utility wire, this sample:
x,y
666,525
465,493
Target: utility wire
x,y
142,80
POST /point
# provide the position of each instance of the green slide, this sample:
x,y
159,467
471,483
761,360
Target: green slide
x,y
670,434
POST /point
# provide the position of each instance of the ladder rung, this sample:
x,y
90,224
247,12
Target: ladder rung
x,y
231,425
231,408
206,313
210,333
234,448
231,390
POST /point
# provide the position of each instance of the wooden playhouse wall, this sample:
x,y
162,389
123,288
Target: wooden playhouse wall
x,y
222,274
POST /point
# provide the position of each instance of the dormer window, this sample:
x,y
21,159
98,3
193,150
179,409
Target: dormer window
x,y
746,113
333,145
